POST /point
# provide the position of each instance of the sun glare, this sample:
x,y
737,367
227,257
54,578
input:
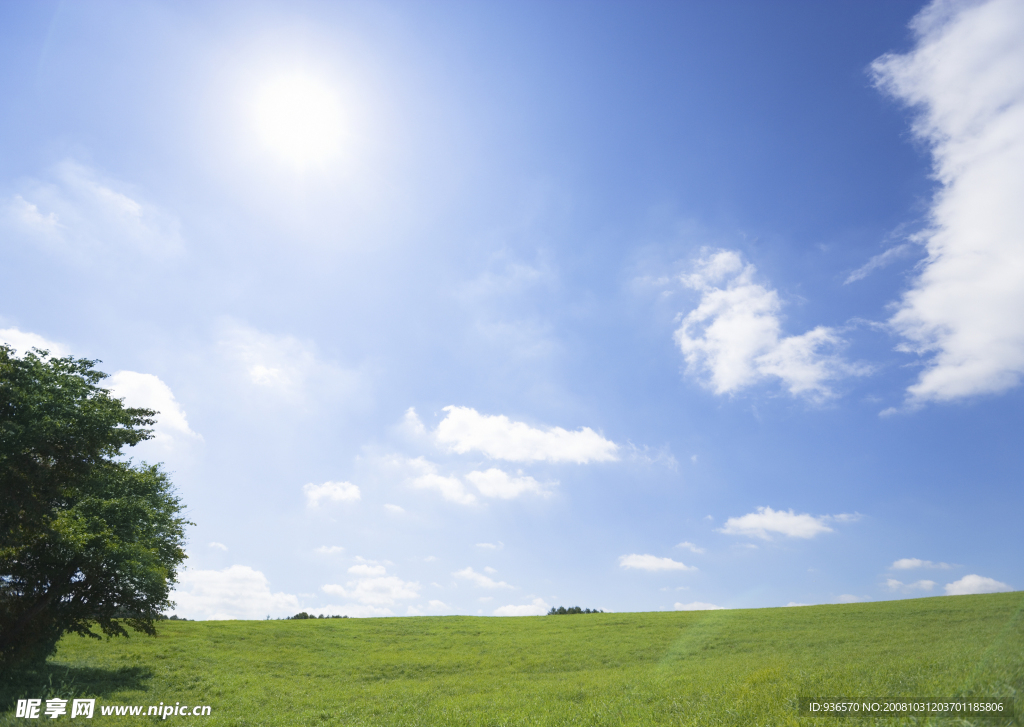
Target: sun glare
x,y
299,119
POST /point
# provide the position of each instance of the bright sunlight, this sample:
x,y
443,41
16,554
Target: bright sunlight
x,y
299,119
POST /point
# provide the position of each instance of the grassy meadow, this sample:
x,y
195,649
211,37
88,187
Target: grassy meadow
x,y
737,667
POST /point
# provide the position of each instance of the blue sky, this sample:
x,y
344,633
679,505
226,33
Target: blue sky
x,y
484,308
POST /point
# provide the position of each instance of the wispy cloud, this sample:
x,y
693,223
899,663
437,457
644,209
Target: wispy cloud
x,y
652,563
497,483
962,312
698,606
690,546
537,608
880,261
850,598
330,491
733,339
923,585
910,563
426,476
479,579
372,587
83,216
285,366
433,608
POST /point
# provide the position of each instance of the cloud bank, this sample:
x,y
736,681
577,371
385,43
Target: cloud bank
x,y
238,592
963,312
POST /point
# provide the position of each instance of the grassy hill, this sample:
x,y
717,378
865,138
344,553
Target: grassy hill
x,y
739,667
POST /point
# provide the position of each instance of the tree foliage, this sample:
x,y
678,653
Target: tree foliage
x,y
86,537
563,611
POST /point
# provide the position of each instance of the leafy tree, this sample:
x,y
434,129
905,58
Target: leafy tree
x,y
86,537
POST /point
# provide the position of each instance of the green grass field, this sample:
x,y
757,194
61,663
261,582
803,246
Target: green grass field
x,y
740,667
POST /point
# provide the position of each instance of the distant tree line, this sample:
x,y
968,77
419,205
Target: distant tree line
x,y
303,615
563,611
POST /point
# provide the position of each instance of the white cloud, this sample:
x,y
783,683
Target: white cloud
x,y
490,546
411,424
909,563
426,477
794,604
894,585
496,483
284,366
698,606
149,392
373,587
690,546
963,311
238,592
22,342
397,509
488,569
759,524
975,584
464,430
652,563
332,491
83,217
734,335
479,579
219,546
537,608
330,549
363,569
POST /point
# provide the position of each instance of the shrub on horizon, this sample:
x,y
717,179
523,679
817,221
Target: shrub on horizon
x,y
563,611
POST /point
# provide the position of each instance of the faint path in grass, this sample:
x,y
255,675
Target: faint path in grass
x,y
742,668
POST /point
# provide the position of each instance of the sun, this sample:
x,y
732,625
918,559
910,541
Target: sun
x,y
299,119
